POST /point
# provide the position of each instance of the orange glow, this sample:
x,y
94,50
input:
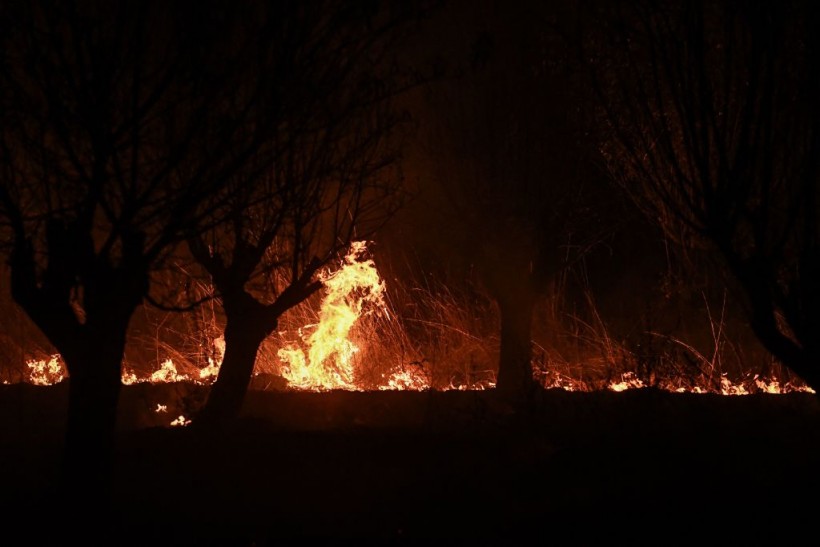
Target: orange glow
x,y
406,380
129,377
327,354
181,421
210,372
628,381
46,373
167,373
325,358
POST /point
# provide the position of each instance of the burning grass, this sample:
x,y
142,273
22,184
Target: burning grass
x,y
360,334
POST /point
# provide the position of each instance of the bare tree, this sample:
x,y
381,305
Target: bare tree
x,y
510,180
715,131
120,123
320,182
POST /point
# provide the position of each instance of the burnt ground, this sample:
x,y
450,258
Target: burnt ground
x,y
641,466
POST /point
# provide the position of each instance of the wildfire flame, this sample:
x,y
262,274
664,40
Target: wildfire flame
x,y
351,291
181,421
405,380
167,373
324,354
628,381
210,372
46,373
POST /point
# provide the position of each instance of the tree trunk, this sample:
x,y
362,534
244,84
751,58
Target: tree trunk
x,y
515,379
92,347
94,391
799,354
803,359
86,478
243,336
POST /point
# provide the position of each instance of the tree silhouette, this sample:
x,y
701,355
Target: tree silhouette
x,y
321,181
715,131
121,123
510,181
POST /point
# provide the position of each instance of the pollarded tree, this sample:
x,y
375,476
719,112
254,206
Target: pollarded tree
x,y
120,124
321,181
511,178
715,131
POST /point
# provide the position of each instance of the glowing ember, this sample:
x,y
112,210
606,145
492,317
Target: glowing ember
x,y
212,370
761,386
181,421
161,408
628,381
696,389
351,291
46,373
729,388
556,380
167,373
128,377
406,380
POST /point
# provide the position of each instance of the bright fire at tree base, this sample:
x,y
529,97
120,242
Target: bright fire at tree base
x,y
327,354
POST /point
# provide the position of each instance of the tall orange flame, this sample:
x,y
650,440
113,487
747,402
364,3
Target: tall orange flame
x,y
324,356
351,291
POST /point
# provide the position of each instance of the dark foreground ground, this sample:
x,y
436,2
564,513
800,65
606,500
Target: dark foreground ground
x,y
604,468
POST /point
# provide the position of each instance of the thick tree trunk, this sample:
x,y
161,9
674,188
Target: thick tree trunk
x,y
515,379
248,321
92,346
802,359
800,354
243,336
93,396
87,473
